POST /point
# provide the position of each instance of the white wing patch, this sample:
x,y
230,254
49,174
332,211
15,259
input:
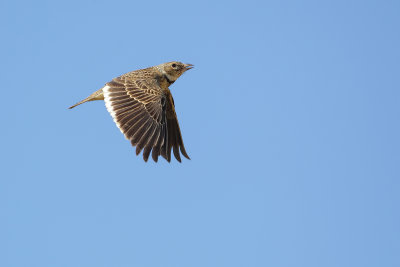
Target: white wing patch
x,y
106,92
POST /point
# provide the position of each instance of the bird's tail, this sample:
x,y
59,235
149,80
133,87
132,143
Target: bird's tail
x,y
98,95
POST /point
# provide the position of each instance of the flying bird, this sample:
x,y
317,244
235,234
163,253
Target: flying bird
x,y
142,107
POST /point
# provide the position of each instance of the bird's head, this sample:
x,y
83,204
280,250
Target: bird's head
x,y
173,70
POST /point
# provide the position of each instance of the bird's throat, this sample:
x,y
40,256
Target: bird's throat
x,y
168,80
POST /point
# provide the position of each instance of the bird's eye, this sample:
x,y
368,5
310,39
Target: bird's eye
x,y
174,65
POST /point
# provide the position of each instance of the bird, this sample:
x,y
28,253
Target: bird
x,y
141,105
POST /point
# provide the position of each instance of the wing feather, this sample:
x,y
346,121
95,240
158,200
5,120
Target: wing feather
x,y
142,111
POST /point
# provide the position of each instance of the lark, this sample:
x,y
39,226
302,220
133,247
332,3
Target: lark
x,y
143,108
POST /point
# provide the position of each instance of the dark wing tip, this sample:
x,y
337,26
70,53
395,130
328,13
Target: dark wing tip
x,y
175,149
138,149
155,158
183,151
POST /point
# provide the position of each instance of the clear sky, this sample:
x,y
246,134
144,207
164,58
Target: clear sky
x,y
291,118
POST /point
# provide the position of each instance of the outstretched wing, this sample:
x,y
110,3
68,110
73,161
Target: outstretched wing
x,y
174,135
139,109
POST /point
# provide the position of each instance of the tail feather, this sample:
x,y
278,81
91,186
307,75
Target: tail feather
x,y
81,102
98,95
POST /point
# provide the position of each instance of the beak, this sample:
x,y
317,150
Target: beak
x,y
188,66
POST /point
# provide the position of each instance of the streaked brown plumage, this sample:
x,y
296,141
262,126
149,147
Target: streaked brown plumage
x,y
142,106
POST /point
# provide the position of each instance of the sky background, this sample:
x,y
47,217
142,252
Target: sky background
x,y
291,118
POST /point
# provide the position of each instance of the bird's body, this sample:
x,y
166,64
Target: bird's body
x,y
142,106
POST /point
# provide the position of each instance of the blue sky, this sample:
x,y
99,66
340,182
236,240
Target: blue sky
x,y
290,116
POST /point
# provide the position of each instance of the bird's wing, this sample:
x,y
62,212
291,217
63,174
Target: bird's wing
x,y
139,108
174,135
